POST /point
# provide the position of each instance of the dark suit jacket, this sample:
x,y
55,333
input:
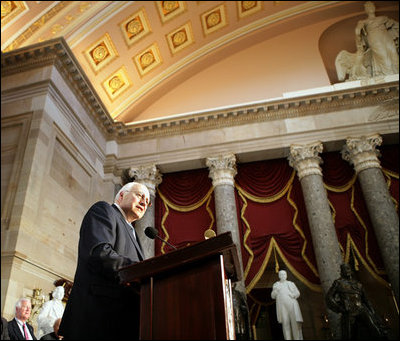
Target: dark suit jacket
x,y
15,333
98,307
4,329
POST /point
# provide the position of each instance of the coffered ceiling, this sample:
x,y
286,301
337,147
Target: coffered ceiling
x,y
132,49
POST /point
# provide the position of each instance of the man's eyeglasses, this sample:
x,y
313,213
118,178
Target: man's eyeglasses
x,y
140,197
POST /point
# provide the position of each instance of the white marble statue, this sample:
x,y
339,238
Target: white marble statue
x,y
288,311
377,42
51,311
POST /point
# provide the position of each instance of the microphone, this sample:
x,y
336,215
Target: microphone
x,y
152,233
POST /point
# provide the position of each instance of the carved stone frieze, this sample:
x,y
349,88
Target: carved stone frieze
x,y
362,152
305,159
388,109
222,169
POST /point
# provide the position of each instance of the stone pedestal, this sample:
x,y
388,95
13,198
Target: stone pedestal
x,y
305,160
362,153
150,176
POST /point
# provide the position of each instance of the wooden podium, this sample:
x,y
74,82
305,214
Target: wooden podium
x,y
186,293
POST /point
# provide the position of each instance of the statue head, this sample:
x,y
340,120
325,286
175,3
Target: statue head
x,y
58,293
346,271
369,7
282,275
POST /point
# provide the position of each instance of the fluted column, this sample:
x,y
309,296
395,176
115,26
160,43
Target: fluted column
x,y
150,176
362,153
305,160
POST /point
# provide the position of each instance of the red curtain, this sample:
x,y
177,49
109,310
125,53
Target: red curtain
x,y
184,208
272,222
272,217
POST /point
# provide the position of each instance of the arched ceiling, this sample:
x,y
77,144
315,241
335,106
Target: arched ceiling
x,y
131,50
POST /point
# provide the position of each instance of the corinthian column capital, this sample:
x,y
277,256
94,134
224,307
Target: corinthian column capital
x,y
222,169
148,175
305,159
362,152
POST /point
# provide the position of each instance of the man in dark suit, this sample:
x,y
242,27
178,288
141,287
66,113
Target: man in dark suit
x,y
99,308
4,329
18,328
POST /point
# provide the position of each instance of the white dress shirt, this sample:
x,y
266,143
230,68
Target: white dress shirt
x,y
21,327
124,215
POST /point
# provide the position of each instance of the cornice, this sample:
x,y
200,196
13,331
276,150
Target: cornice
x,y
56,52
384,94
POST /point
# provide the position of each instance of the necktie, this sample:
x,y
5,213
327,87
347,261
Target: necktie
x,y
25,332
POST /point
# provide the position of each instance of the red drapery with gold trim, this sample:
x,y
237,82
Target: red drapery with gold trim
x,y
272,216
272,222
184,208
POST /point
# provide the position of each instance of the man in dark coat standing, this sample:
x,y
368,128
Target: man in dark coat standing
x,y
4,329
18,327
99,308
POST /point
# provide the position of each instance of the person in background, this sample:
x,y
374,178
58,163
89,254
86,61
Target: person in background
x,y
18,328
99,308
54,334
4,329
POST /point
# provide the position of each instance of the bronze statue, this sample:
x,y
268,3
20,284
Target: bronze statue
x,y
358,317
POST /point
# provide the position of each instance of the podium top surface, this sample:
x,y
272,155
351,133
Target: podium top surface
x,y
221,244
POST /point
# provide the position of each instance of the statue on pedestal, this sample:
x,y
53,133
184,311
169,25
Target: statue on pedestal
x,y
50,312
358,318
288,311
377,42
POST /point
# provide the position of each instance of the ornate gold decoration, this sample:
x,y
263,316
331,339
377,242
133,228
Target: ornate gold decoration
x,y
170,9
6,8
56,28
101,53
214,19
11,10
180,38
117,83
135,27
148,59
37,301
84,6
35,26
246,8
209,233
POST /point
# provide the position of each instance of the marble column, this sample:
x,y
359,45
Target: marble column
x,y
362,153
305,160
222,172
150,176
